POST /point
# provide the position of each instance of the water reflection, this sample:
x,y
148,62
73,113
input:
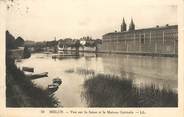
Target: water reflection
x,y
112,91
161,71
74,71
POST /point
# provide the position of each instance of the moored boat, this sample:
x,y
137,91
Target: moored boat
x,y
35,76
57,80
18,60
28,69
52,88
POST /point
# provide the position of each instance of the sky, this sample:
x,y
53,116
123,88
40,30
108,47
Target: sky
x,y
43,20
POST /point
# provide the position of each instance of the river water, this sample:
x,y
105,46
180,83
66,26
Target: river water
x,y
144,70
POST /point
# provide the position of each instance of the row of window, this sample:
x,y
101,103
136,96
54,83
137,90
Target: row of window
x,y
146,34
145,37
142,40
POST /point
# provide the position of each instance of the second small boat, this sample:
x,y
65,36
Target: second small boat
x,y
57,81
52,88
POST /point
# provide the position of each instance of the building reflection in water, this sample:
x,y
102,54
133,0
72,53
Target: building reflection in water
x,y
144,70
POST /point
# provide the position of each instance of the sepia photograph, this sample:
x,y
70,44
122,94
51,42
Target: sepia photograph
x,y
91,53
91,57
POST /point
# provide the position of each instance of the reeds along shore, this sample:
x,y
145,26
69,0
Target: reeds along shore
x,y
112,91
21,92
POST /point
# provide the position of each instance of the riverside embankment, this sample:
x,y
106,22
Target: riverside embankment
x,y
22,92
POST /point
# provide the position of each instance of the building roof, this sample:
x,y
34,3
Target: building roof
x,y
144,29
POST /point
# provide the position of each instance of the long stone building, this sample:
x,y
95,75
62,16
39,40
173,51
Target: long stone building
x,y
159,40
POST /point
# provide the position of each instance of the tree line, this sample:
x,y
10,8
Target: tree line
x,y
15,43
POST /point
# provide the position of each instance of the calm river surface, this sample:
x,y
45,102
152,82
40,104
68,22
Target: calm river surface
x,y
144,70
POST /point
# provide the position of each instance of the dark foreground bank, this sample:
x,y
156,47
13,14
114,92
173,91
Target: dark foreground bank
x,y
21,92
112,91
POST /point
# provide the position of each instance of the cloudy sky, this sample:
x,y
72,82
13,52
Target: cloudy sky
x,y
40,20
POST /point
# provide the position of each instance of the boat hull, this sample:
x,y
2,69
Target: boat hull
x,y
35,76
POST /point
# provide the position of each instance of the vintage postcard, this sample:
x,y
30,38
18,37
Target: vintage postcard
x,y
92,58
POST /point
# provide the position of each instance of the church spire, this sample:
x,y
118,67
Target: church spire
x,y
132,25
123,26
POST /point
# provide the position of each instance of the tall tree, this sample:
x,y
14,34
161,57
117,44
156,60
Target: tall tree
x,y
10,41
19,41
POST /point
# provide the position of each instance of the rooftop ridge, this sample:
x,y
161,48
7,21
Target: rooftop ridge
x,y
149,28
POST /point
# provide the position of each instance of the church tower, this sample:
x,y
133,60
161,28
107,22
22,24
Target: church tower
x,y
123,26
131,26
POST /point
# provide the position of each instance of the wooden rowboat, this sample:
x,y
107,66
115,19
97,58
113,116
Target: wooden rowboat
x,y
57,80
28,69
52,88
35,76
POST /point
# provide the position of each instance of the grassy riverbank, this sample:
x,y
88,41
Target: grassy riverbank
x,y
21,92
112,91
